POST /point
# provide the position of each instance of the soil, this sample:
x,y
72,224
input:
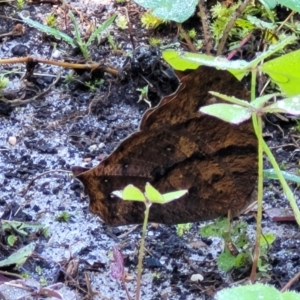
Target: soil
x,y
73,125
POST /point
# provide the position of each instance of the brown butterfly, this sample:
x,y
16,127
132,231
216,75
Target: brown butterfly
x,y
178,148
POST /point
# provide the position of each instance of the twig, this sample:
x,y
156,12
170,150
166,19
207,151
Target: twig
x,y
205,26
290,283
186,37
129,28
230,24
88,66
18,102
39,176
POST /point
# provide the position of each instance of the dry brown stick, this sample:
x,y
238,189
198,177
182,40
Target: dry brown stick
x,y
205,26
230,24
18,102
129,28
40,175
290,283
86,66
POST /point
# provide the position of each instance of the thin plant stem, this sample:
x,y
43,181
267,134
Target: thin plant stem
x,y
141,252
186,37
287,191
257,123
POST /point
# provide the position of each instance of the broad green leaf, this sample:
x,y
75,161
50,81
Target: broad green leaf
x,y
231,113
152,194
249,292
287,105
292,4
232,99
49,30
130,193
226,261
284,71
19,257
168,197
290,295
173,10
271,174
185,60
182,63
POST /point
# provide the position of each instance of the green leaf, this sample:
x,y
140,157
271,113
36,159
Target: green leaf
x,y
174,10
271,174
259,102
76,28
226,261
231,113
267,239
152,194
19,257
182,62
241,260
284,71
292,4
130,193
11,240
249,292
99,29
290,295
49,30
215,229
269,3
168,197
261,24
232,99
287,105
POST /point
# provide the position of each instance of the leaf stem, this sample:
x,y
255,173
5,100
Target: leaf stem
x,y
141,252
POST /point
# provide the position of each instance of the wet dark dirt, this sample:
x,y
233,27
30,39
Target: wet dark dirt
x,y
72,125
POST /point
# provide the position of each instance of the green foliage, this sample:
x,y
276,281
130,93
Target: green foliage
x,y
226,261
149,21
3,82
222,14
291,4
16,229
153,41
238,236
20,4
94,85
173,10
51,20
181,229
121,22
151,195
19,257
255,291
192,33
61,35
63,217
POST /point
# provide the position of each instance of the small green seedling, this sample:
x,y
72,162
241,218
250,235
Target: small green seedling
x,y
64,217
144,95
83,46
151,195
